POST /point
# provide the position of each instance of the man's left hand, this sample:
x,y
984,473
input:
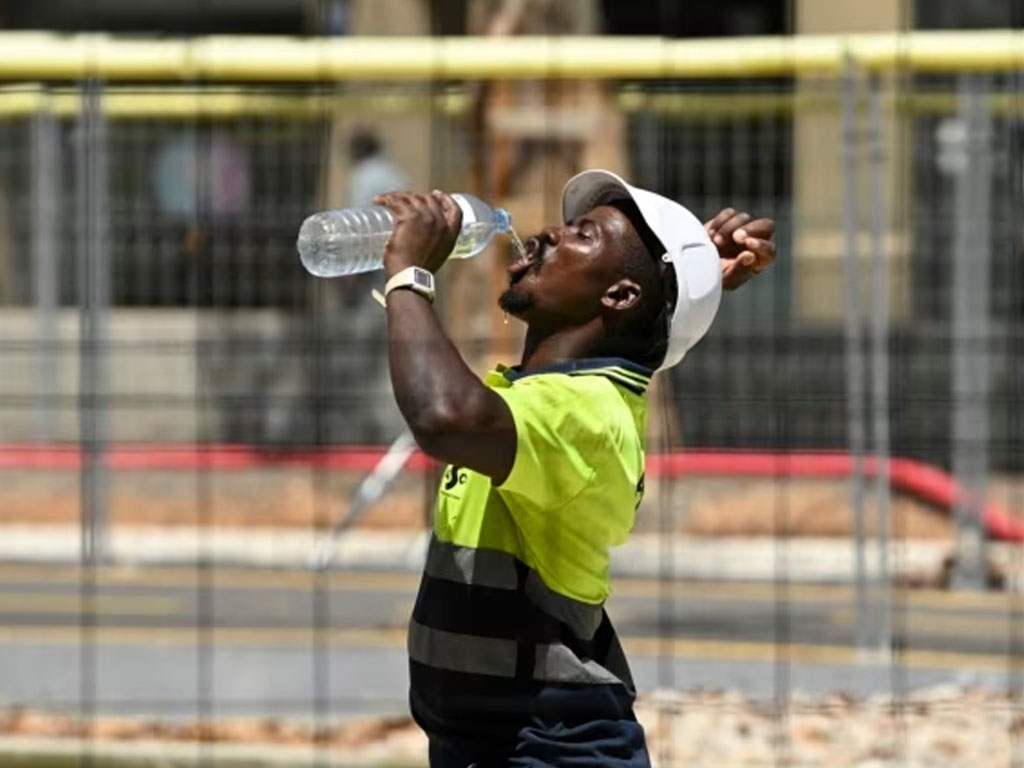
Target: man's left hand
x,y
744,245
426,228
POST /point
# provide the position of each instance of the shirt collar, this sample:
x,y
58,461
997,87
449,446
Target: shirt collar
x,y
637,375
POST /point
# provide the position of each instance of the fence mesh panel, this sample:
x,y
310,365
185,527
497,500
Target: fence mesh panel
x,y
172,379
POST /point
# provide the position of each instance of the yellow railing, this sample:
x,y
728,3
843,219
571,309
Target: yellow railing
x,y
174,102
43,56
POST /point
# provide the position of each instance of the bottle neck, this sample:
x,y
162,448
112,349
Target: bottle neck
x,y
499,218
502,220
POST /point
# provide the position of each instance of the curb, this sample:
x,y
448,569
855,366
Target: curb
x,y
25,752
817,560
19,752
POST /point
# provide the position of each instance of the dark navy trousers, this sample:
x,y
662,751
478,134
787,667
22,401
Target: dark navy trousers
x,y
596,744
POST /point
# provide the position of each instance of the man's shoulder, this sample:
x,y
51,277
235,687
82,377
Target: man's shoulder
x,y
596,401
577,398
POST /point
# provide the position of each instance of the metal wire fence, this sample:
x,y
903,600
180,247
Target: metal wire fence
x,y
170,374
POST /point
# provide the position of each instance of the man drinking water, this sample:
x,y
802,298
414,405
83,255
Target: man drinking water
x,y
513,660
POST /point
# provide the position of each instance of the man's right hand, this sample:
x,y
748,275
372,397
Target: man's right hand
x,y
426,228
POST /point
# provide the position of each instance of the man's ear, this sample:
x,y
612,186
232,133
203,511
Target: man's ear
x,y
625,294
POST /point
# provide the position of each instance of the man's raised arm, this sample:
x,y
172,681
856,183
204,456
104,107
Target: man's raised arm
x,y
452,415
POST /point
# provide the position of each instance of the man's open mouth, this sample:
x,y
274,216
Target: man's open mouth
x,y
517,272
519,268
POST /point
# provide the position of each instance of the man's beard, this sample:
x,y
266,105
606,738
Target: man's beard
x,y
516,303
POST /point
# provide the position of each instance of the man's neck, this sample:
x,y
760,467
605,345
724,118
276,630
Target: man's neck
x,y
542,350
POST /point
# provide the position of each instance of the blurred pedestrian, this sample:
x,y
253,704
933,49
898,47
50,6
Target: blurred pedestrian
x,y
373,172
358,370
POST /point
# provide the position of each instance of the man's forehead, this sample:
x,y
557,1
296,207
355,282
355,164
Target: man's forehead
x,y
607,214
624,217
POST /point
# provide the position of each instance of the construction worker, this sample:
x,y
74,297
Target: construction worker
x,y
513,660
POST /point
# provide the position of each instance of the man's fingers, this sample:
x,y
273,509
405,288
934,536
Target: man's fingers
x,y
425,204
451,210
744,245
431,205
759,253
725,232
413,206
735,274
716,223
391,197
396,202
762,229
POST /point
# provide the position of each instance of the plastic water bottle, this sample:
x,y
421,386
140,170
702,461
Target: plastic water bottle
x,y
352,240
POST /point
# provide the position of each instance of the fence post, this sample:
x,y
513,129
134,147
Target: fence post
x,y
854,341
45,207
880,359
971,269
94,300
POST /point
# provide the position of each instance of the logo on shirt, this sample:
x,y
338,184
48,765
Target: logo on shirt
x,y
454,477
639,492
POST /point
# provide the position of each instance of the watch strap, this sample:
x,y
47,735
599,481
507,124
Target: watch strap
x,y
414,279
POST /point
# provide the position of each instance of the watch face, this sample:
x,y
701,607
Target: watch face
x,y
422,278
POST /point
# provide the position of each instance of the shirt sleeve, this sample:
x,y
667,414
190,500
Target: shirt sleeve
x,y
560,438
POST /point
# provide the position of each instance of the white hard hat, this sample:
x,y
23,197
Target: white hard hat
x,y
688,248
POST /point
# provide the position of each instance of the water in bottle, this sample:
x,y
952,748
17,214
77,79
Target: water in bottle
x,y
352,240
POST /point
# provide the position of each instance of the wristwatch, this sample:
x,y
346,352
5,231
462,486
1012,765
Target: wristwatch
x,y
415,279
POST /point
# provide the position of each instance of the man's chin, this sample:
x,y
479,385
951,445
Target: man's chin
x,y
515,303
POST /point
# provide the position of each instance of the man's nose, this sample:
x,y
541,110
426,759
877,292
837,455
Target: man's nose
x,y
546,238
551,236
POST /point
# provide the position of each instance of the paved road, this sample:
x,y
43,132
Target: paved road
x,y
181,643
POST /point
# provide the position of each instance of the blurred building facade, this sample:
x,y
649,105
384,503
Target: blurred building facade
x,y
770,146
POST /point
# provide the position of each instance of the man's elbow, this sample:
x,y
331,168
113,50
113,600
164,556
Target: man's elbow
x,y
476,432
439,430
434,428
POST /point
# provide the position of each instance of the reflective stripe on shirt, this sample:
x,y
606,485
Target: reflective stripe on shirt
x,y
456,652
491,568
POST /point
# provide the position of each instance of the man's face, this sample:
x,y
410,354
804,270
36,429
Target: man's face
x,y
568,269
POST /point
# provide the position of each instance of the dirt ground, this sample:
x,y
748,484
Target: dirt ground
x,y
299,497
943,726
